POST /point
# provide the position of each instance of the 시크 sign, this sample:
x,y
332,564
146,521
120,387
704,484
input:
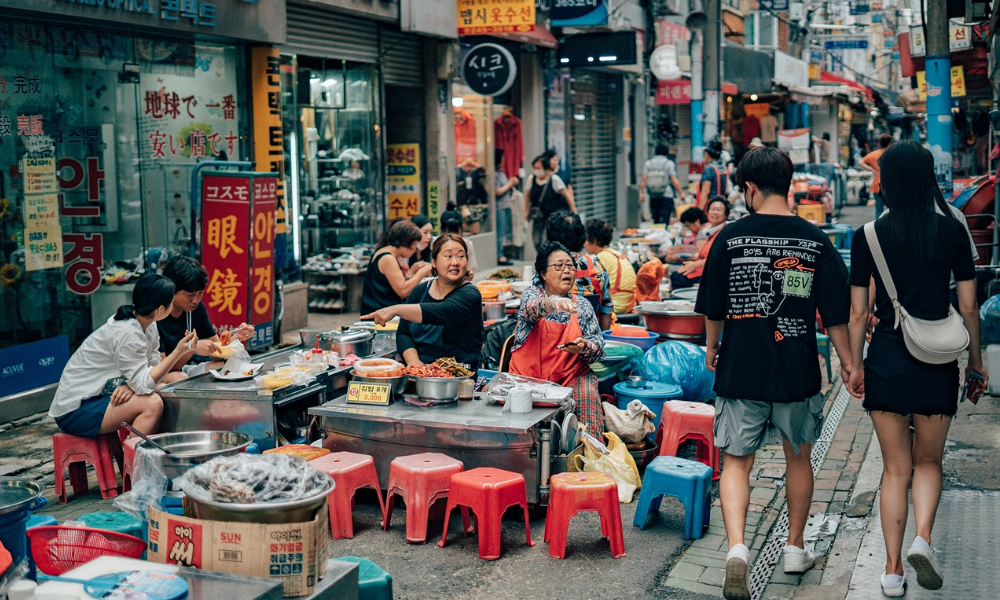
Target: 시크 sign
x,y
489,69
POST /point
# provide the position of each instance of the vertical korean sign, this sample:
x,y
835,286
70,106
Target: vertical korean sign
x,y
269,142
405,189
42,231
237,249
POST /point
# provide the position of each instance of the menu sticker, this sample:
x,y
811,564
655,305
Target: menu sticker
x,y
43,242
376,394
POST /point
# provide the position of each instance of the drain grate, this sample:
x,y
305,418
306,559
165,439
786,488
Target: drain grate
x,y
770,554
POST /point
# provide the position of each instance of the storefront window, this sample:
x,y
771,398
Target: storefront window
x,y
475,119
333,137
98,132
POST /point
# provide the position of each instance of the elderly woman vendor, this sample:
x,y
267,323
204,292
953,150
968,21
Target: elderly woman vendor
x,y
443,317
557,337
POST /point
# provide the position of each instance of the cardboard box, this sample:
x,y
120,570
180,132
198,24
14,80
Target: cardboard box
x,y
295,553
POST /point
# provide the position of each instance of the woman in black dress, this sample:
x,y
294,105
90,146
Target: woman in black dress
x,y
924,246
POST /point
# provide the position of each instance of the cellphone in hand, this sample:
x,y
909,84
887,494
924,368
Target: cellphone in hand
x,y
973,387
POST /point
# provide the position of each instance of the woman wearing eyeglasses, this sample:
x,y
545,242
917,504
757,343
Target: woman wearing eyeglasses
x,y
557,338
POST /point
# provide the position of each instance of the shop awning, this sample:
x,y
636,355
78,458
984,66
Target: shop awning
x,y
749,70
540,37
864,89
819,94
730,89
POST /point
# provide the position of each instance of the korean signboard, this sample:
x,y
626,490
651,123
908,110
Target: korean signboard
x,y
43,244
795,142
405,188
959,39
790,70
489,69
269,138
957,83
579,13
237,250
673,92
488,17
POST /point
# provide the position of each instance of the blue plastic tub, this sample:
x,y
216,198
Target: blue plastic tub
x,y
643,343
12,534
652,394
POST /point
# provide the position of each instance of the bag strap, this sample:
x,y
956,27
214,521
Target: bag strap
x,y
883,268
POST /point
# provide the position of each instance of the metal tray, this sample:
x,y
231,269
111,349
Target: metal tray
x,y
17,494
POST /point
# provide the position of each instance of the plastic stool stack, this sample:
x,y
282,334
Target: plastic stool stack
x,y
420,480
688,481
73,453
684,421
488,492
373,582
118,522
128,449
571,493
350,472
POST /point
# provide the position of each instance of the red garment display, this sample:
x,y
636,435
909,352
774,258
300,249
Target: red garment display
x,y
465,136
751,129
507,129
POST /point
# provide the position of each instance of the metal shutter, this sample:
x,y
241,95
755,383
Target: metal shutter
x,y
593,147
402,62
682,116
314,31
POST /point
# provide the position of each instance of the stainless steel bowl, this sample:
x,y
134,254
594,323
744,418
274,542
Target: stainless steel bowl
x,y
398,383
636,382
302,510
437,388
17,494
348,340
192,448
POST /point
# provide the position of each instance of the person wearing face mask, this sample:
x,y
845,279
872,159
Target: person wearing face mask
x,y
546,194
423,253
441,318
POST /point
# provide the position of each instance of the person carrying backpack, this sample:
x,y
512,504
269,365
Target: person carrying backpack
x,y
714,178
659,180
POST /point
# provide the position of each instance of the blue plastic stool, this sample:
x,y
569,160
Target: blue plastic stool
x,y
823,346
373,582
688,481
118,522
37,521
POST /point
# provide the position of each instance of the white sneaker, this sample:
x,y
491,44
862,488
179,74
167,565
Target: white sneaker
x,y
798,560
921,558
893,586
737,585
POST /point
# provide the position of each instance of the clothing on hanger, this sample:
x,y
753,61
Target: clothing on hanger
x,y
465,135
509,138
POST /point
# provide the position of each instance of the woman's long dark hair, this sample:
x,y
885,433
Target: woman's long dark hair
x,y
911,192
150,293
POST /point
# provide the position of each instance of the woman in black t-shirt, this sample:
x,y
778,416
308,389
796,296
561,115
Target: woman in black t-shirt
x,y
385,283
923,244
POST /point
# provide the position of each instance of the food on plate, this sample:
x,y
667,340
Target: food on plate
x,y
304,451
275,381
505,273
378,367
452,366
427,371
630,232
225,337
349,360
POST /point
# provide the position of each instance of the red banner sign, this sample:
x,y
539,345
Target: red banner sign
x,y
265,202
673,92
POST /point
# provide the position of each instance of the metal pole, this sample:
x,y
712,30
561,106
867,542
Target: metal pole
x,y
697,96
938,65
712,66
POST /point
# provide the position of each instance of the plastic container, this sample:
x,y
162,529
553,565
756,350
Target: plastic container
x,y
644,343
113,521
652,395
12,534
37,521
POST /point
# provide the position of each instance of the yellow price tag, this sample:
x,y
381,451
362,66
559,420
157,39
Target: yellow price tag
x,y
379,394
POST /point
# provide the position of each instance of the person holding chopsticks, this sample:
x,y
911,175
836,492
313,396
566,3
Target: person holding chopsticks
x,y
188,313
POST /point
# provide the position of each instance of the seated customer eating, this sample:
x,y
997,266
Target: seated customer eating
x,y
443,317
112,377
558,336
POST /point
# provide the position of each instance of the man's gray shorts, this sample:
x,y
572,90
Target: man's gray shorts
x,y
743,426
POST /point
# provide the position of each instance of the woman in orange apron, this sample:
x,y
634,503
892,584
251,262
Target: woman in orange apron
x,y
557,338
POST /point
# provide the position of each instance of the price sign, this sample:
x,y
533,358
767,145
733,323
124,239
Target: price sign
x,y
377,394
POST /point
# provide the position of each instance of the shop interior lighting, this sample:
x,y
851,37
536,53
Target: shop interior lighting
x,y
580,117
590,59
330,82
564,60
458,101
294,201
610,58
753,97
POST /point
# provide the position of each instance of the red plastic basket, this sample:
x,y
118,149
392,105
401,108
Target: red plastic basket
x,y
57,549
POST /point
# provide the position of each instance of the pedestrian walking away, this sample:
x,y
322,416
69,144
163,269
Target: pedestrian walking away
x,y
658,185
767,371
924,245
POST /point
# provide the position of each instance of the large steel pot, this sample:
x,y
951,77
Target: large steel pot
x,y
349,340
192,448
398,383
302,510
437,388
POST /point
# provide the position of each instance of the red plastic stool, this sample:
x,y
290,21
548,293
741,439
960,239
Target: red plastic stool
x,y
350,472
420,480
488,492
72,452
689,421
128,449
571,493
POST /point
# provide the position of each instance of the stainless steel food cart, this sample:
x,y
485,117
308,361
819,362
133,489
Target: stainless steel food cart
x,y
474,432
206,403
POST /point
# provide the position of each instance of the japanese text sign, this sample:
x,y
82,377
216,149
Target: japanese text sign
x,y
404,191
43,239
487,17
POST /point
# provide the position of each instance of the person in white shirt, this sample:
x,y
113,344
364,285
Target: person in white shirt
x,y
112,377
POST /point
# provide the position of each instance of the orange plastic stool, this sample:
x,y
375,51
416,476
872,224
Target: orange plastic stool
x,y
488,492
420,480
128,448
72,452
571,493
689,421
350,472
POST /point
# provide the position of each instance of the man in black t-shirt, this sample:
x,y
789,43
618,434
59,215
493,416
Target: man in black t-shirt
x,y
765,278
190,280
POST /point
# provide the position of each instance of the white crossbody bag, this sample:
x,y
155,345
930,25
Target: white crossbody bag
x,y
932,342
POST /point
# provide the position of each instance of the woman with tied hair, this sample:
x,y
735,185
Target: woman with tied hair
x,y
385,283
112,376
924,246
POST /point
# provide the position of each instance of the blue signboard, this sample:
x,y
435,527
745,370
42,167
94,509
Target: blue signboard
x,y
848,44
32,365
579,13
773,4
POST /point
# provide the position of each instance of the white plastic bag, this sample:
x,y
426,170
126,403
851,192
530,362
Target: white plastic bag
x,y
631,425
